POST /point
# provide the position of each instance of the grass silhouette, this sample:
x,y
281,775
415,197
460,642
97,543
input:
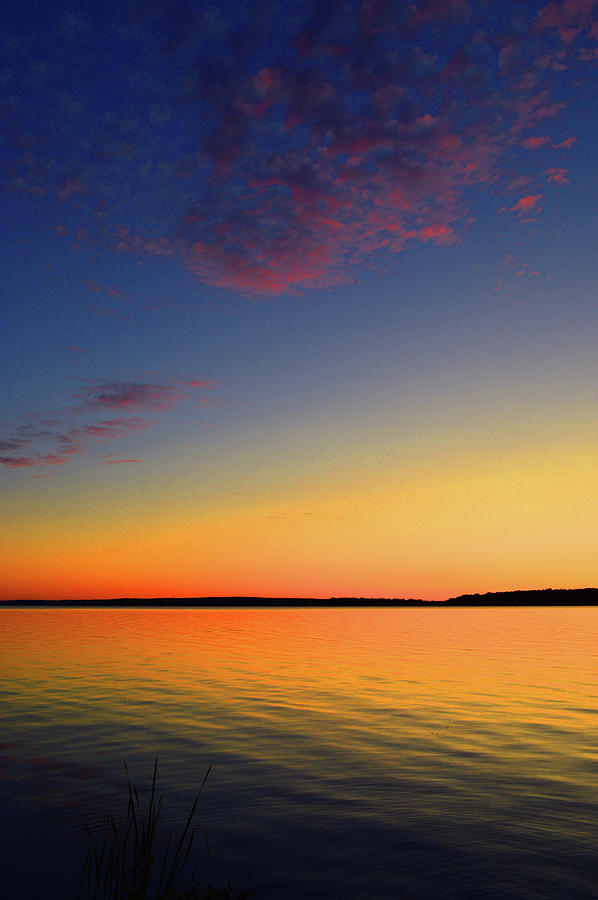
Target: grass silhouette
x,y
128,866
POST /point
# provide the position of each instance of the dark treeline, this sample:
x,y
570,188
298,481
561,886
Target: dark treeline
x,y
182,602
546,597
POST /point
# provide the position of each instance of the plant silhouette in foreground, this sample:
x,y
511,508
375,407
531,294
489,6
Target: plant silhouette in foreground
x,y
128,865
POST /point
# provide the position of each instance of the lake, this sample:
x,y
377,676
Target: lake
x,y
356,753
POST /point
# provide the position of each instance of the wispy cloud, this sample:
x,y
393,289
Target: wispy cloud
x,y
566,144
205,383
53,438
128,395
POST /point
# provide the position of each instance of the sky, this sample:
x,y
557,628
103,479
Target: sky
x,y
298,298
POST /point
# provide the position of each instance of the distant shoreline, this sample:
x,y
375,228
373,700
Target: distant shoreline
x,y
545,597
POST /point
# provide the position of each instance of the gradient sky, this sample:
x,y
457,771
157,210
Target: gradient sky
x,y
299,298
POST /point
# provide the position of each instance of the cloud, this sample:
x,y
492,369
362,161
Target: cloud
x,y
95,288
128,395
440,234
513,267
115,428
51,439
17,462
65,439
569,18
565,145
526,204
273,154
558,176
205,383
534,143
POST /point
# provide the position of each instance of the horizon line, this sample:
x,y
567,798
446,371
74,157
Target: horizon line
x,y
550,595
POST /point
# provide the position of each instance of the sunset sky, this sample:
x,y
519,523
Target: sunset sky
x,y
298,298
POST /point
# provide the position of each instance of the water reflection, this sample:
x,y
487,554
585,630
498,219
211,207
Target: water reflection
x,y
356,753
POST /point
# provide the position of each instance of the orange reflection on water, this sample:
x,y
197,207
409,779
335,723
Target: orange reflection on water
x,y
503,698
460,728
456,653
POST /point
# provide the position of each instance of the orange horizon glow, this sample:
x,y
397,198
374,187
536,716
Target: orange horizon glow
x,y
480,525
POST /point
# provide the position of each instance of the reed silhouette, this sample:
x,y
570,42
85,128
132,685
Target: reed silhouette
x,y
128,864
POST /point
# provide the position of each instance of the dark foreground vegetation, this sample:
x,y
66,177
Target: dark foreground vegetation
x,y
131,863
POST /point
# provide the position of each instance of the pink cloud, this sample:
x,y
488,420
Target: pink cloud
x,y
49,439
512,267
249,271
205,383
315,153
525,204
17,462
558,176
534,143
565,145
527,271
129,395
440,234
115,428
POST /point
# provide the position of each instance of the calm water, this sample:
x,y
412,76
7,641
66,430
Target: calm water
x,y
356,753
